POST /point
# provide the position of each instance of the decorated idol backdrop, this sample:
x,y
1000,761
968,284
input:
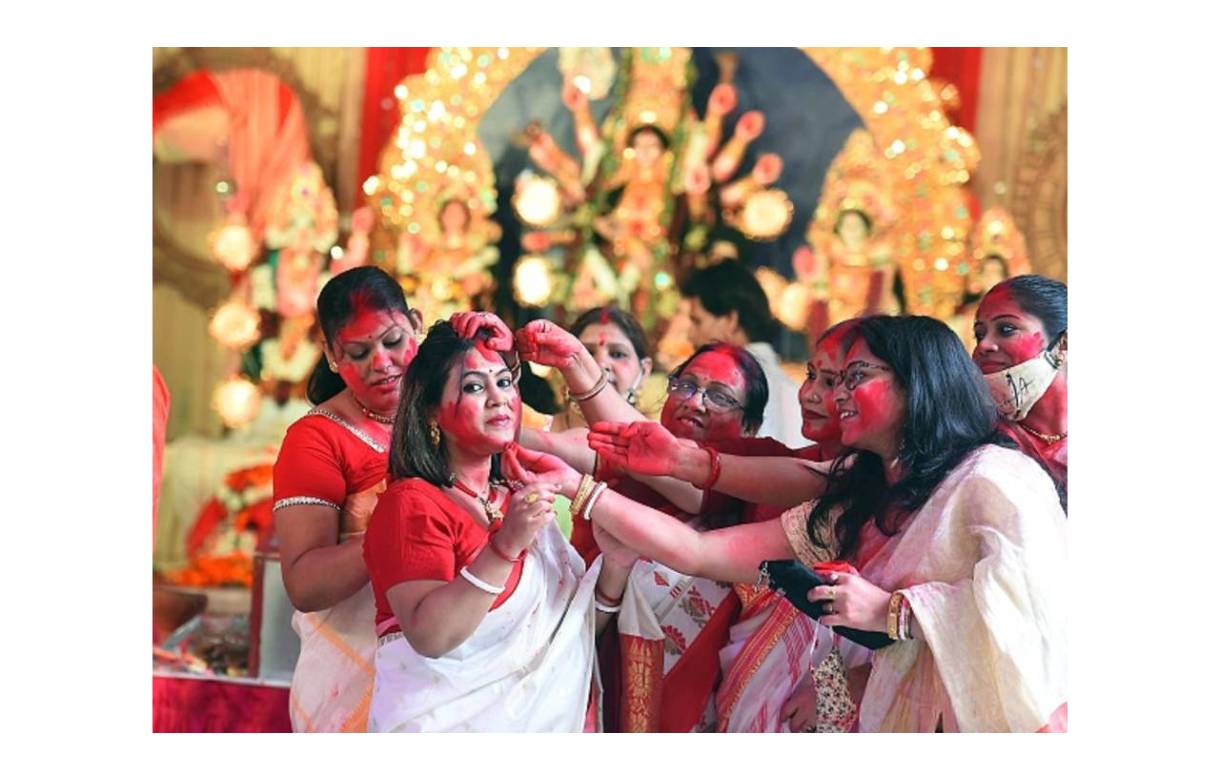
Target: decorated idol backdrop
x,y
552,180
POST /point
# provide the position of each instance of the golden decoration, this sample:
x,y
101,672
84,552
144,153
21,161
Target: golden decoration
x,y
765,215
925,161
235,325
236,400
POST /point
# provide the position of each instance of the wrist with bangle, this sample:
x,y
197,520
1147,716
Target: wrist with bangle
x,y
713,466
592,392
587,494
898,617
495,549
604,603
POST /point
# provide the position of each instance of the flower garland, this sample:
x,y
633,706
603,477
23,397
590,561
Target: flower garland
x,y
228,529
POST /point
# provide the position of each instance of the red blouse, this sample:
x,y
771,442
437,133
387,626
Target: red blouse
x,y
1052,457
418,533
324,459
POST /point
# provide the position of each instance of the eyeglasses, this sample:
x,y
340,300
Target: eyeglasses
x,y
852,377
716,400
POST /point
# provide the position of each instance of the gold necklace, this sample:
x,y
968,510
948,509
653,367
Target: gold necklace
x,y
1047,438
369,413
494,515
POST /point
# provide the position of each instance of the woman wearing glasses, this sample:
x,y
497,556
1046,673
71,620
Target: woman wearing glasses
x,y
672,627
956,546
766,680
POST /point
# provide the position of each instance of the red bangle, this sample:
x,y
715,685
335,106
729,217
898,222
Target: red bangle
x,y
603,598
491,542
715,474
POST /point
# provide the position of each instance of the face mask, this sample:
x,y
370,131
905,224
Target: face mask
x,y
1017,389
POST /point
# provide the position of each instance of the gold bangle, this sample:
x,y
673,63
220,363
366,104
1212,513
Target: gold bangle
x,y
891,618
598,386
582,494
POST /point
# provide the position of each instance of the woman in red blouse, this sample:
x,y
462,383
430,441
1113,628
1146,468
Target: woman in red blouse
x,y
1021,328
485,613
330,469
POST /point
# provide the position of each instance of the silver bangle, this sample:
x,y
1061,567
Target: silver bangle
x,y
587,513
480,584
600,607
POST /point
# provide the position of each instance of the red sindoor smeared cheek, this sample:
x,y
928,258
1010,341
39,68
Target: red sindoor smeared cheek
x,y
1025,346
877,409
724,425
460,420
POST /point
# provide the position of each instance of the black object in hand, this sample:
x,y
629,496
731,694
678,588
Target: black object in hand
x,y
794,580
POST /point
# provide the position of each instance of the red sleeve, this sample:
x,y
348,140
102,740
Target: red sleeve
x,y
583,539
409,538
309,465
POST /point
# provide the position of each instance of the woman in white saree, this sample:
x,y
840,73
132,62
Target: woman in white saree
x,y
486,616
957,546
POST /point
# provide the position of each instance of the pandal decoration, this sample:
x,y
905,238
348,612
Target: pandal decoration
x,y
921,163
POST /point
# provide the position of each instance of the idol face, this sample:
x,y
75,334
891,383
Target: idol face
x,y
647,147
706,401
480,407
372,352
1006,334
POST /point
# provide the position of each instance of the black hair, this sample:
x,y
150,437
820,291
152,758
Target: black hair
x,y
648,128
949,413
730,287
364,286
757,391
412,453
624,321
1044,298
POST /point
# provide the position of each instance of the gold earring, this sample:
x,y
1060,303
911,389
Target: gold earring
x,y
334,367
434,433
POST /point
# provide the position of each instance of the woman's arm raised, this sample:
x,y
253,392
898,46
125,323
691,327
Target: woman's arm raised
x,y
647,448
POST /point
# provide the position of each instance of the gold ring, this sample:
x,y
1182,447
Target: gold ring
x,y
830,593
531,498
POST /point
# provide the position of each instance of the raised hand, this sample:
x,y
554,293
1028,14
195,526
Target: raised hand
x,y
529,467
544,342
640,447
529,510
494,332
852,601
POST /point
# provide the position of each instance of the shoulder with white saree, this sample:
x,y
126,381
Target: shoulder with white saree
x,y
529,664
982,564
